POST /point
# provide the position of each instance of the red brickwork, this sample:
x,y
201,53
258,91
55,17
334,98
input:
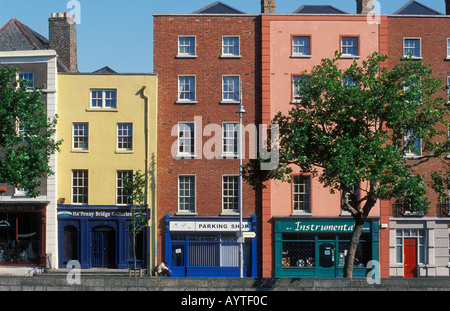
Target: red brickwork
x,y
208,68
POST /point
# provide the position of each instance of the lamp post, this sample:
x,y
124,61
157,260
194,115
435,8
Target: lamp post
x,y
240,111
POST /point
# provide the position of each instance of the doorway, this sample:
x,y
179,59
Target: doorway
x,y
103,247
327,260
410,269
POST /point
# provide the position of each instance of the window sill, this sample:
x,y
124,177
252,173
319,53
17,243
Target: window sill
x,y
102,110
301,56
230,56
234,213
187,56
350,57
301,213
229,156
406,57
230,102
186,213
412,156
185,156
447,58
186,102
123,151
79,151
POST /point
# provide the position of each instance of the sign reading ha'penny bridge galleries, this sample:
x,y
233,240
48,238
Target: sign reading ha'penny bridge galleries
x,y
316,226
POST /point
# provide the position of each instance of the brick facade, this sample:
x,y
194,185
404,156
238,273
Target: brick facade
x,y
208,68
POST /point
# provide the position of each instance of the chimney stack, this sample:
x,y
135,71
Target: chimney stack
x,y
267,6
365,6
63,39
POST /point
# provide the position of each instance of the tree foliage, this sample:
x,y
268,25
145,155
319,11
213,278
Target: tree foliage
x,y
26,134
352,129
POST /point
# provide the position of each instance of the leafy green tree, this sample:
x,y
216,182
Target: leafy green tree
x,y
135,187
26,134
353,127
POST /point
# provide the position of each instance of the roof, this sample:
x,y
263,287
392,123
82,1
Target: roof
x,y
105,70
218,8
318,9
15,36
416,8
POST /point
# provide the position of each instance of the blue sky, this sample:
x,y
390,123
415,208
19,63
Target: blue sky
x,y
119,33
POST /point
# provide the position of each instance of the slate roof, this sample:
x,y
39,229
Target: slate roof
x,y
105,70
416,8
15,36
218,8
318,9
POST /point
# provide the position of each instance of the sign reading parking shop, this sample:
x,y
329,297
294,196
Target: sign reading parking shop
x,y
211,226
305,226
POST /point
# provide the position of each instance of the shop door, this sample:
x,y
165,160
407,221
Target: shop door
x,y
178,260
410,257
103,247
327,260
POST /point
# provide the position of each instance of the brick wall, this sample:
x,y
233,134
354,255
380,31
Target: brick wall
x,y
208,68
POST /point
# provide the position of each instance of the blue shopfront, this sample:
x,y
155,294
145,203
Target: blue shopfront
x,y
317,247
208,246
98,237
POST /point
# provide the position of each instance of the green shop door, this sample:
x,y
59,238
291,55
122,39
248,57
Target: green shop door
x,y
327,260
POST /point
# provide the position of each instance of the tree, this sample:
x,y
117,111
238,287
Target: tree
x,y
26,134
135,189
352,129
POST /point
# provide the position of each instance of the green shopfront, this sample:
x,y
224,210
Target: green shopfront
x,y
316,247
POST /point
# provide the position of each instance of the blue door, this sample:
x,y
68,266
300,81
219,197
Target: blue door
x,y
103,247
178,260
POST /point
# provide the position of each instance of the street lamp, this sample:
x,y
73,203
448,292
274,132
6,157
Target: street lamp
x,y
241,112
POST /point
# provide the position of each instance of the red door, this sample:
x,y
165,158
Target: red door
x,y
410,257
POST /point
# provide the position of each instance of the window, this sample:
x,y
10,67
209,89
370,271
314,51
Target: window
x,y
79,187
301,46
349,46
297,81
448,48
106,99
122,196
230,47
302,193
80,136
448,90
186,193
125,136
186,46
410,233
230,139
230,89
186,139
28,76
186,88
412,46
230,193
414,145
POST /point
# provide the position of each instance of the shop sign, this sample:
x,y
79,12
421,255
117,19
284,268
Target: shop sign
x,y
19,208
94,214
310,226
221,226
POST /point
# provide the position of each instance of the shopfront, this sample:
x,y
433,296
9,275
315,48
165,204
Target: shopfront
x,y
22,234
208,246
98,237
316,247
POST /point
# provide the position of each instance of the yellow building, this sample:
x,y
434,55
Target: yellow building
x,y
108,124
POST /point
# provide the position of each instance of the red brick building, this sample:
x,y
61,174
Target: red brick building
x,y
419,243
201,59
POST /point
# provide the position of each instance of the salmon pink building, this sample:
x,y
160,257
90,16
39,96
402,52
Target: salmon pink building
x,y
304,229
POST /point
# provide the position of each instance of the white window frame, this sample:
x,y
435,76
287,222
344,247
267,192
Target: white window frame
x,y
420,48
80,136
182,48
410,153
234,92
357,47
230,142
420,235
190,140
121,197
233,47
112,105
192,84
233,199
298,46
448,91
84,188
124,137
296,204
448,48
192,194
27,75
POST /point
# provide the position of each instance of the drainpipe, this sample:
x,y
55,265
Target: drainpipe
x,y
146,168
